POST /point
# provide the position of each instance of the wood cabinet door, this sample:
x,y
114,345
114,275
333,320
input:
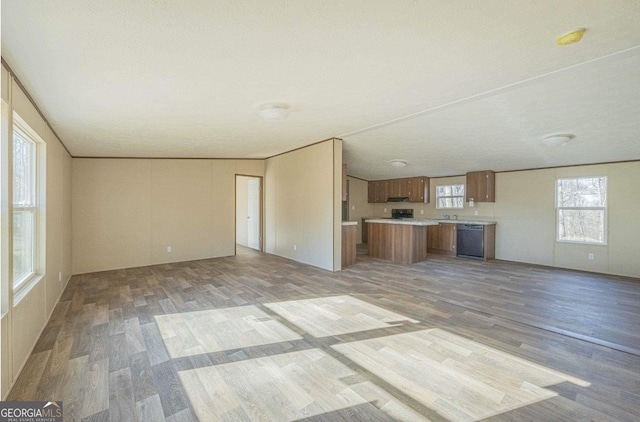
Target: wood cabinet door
x,y
418,189
365,231
413,189
403,187
394,188
481,186
490,186
382,190
472,188
377,191
447,240
371,192
433,237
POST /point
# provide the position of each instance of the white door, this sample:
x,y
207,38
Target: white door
x,y
253,213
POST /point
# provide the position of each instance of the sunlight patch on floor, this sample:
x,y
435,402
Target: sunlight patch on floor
x,y
335,315
194,333
459,378
288,387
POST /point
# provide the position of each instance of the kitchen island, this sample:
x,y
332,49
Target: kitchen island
x,y
349,229
403,241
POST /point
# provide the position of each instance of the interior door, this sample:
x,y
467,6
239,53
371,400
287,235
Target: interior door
x,y
253,213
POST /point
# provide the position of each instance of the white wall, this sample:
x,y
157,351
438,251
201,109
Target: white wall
x,y
126,212
23,321
526,217
300,204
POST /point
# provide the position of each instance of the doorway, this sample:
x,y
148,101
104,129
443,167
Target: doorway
x,y
248,212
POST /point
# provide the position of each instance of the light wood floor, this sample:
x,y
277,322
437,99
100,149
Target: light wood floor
x,y
257,337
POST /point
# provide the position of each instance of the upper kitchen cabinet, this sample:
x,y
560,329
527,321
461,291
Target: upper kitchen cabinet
x,y
378,191
416,189
398,188
481,186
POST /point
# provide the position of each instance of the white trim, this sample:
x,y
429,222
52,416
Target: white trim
x,y
20,288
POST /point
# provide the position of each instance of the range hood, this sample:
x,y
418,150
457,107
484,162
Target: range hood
x,y
398,199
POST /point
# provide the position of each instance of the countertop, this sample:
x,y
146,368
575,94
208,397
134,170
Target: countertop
x,y
484,223
349,223
406,221
425,222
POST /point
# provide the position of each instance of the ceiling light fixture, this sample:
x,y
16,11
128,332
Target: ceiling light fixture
x,y
571,37
557,139
273,112
398,163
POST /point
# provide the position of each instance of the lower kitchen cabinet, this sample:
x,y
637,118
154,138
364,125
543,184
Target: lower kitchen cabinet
x,y
349,244
365,231
441,239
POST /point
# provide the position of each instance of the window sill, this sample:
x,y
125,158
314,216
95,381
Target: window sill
x,y
577,242
25,289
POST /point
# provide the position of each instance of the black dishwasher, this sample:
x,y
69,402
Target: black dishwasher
x,y
470,240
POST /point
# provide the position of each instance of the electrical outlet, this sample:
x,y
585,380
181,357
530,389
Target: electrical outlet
x,y
295,247
421,211
475,213
60,276
591,255
385,210
169,249
353,207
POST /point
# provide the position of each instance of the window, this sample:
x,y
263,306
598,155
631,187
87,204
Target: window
x,y
24,207
450,196
581,205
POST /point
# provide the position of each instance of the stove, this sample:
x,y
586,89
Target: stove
x,y
399,213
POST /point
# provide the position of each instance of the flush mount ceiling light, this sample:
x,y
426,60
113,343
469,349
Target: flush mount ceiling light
x,y
571,37
398,163
273,112
557,139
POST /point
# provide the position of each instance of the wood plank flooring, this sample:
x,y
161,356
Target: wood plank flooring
x,y
257,337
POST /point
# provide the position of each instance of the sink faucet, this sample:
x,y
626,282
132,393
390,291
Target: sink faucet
x,y
446,216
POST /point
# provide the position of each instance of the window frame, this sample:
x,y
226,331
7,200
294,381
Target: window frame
x,y
20,287
583,208
438,197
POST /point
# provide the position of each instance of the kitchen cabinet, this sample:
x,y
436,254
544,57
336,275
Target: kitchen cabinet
x,y
349,244
414,188
441,239
398,188
378,191
476,241
403,243
418,189
365,231
481,186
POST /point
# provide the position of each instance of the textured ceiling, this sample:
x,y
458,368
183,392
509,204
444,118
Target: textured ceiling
x,y
447,86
